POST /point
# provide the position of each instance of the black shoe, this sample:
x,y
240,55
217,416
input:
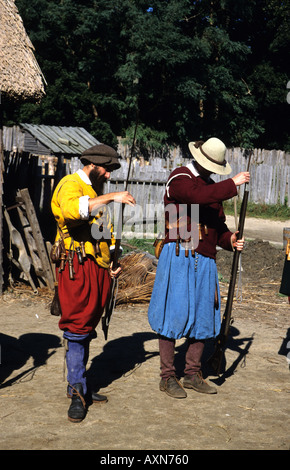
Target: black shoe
x,y
97,398
92,397
77,409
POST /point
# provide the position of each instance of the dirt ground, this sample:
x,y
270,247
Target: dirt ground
x,y
249,412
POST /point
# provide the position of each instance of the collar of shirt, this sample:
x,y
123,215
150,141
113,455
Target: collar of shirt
x,y
192,168
84,177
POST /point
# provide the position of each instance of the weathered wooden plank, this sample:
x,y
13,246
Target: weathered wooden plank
x,y
23,262
37,235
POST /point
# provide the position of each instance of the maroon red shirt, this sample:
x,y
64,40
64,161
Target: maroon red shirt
x,y
183,189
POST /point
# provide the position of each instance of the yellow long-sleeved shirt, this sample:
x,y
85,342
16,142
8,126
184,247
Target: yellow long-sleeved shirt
x,y
69,205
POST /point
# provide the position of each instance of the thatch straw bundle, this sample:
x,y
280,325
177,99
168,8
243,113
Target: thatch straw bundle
x,y
20,75
136,281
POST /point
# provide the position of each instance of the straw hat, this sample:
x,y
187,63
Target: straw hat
x,y
211,155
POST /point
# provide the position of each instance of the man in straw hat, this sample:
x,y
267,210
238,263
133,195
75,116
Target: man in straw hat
x,y
185,300
83,269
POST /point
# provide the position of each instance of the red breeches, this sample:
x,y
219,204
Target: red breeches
x,y
82,299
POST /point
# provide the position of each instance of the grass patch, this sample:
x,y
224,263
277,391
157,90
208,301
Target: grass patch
x,y
141,244
263,211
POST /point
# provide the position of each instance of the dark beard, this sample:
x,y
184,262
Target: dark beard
x,y
97,181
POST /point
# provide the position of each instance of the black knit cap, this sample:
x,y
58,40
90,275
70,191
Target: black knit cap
x,y
102,155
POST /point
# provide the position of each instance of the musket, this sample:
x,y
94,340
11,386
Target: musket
x,y
218,356
112,297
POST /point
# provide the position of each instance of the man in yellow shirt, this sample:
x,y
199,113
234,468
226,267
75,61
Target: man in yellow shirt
x,y
84,271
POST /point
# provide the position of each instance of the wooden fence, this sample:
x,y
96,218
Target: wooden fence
x,y
270,178
270,184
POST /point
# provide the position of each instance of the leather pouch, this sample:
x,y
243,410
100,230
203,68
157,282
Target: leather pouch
x,y
56,251
55,308
158,245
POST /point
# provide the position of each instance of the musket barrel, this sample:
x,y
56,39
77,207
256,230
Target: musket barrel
x,y
216,359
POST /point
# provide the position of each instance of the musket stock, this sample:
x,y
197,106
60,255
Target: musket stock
x,y
217,358
109,309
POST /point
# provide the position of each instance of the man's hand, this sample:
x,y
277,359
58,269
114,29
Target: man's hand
x,y
236,243
116,272
125,197
241,178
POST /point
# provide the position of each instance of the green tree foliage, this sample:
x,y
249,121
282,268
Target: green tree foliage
x,y
192,69
270,72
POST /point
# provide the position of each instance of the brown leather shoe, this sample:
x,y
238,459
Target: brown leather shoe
x,y
172,387
197,383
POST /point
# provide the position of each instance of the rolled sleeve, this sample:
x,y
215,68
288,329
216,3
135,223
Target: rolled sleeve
x,y
84,207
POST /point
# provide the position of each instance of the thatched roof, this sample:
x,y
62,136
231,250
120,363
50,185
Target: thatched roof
x,y
20,75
